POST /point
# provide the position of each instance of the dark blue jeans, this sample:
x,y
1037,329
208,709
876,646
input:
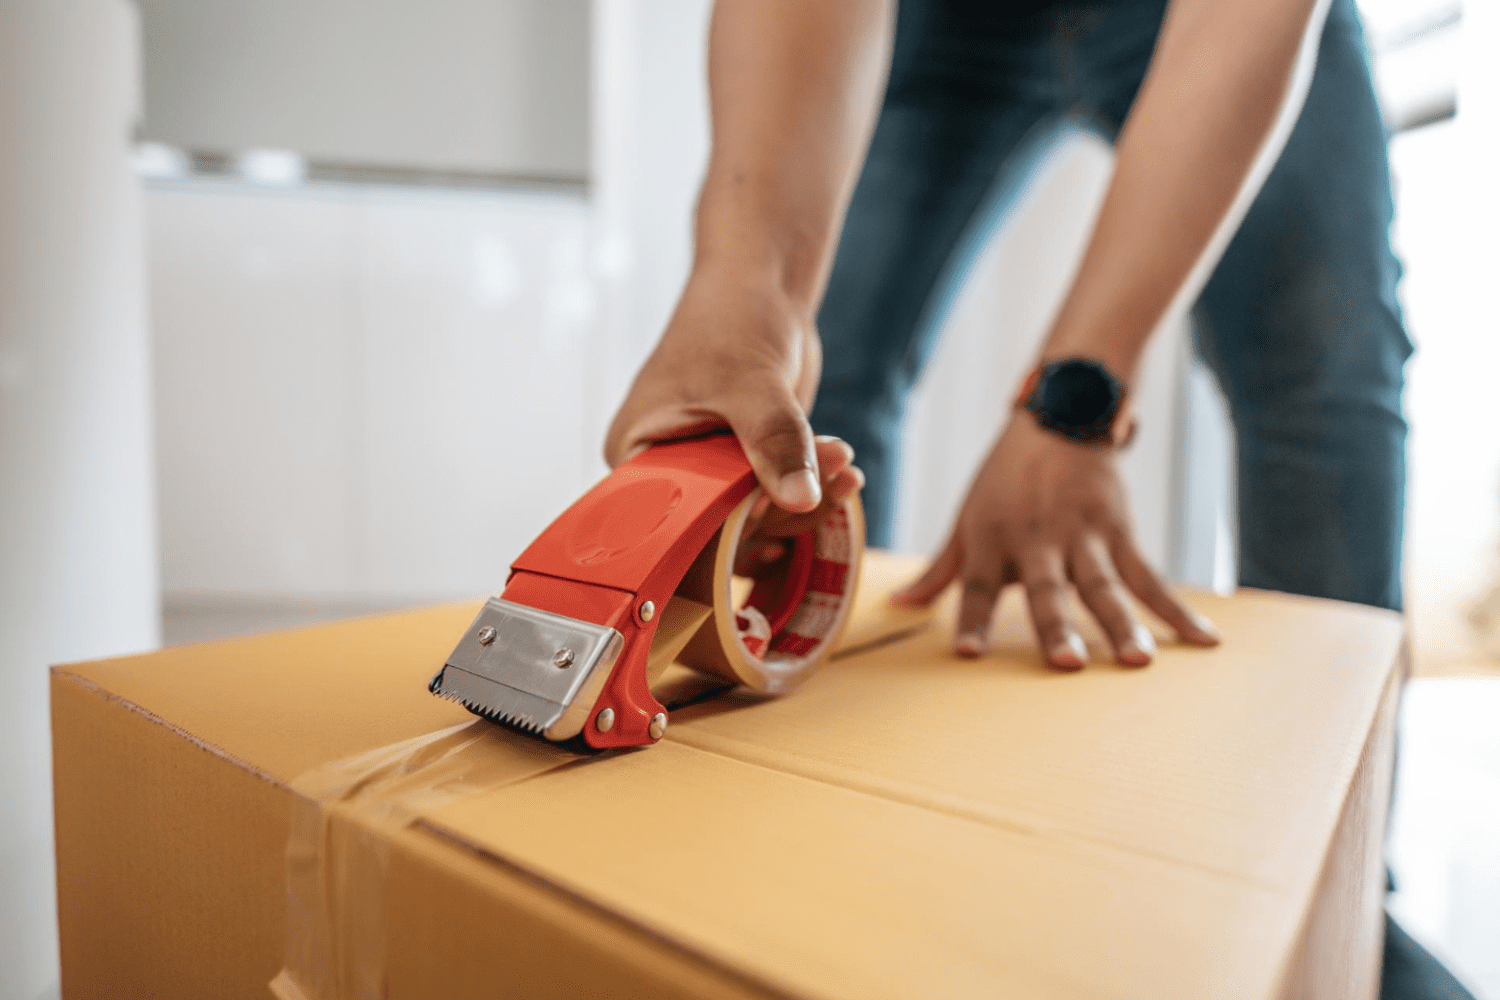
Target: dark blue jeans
x,y
1299,322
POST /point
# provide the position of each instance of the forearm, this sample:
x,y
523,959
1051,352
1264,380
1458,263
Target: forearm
x,y
1224,88
794,89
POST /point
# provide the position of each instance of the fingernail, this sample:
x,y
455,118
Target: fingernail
x,y
1206,626
1075,642
1138,650
829,438
969,645
1070,654
799,490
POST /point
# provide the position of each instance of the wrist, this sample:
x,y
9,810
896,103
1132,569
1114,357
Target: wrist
x,y
1114,340
759,238
1080,399
743,277
1118,359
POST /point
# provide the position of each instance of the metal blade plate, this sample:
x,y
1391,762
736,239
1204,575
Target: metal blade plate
x,y
528,668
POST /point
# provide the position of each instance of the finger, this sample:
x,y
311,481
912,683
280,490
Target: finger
x,y
632,433
983,577
844,485
779,443
938,574
778,523
1099,586
834,455
1046,599
762,540
759,555
1190,626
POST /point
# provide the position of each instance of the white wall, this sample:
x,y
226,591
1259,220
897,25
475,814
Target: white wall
x,y
650,149
366,393
77,538
489,86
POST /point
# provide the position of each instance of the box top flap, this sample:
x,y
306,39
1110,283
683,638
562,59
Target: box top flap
x,y
821,891
1060,833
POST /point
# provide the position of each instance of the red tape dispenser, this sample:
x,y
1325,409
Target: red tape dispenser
x,y
599,604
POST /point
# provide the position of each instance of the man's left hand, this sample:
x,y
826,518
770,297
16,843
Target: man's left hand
x,y
1051,515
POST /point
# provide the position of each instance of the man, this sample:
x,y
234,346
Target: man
x,y
1299,319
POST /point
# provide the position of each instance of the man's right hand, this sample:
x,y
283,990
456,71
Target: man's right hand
x,y
793,92
736,355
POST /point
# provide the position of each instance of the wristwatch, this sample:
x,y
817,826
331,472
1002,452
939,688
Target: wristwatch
x,y
1080,399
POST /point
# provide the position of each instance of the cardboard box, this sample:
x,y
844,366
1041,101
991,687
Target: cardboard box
x,y
908,824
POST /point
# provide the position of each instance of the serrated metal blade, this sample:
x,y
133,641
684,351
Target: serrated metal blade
x,y
532,669
495,701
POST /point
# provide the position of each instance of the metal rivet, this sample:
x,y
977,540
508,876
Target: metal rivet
x,y
486,635
658,725
647,611
563,658
606,720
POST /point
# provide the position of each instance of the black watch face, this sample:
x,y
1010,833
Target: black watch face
x,y
1077,398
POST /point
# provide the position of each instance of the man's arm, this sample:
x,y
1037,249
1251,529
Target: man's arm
x,y
794,90
1225,85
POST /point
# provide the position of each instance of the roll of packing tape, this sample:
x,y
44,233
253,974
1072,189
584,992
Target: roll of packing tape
x,y
794,614
639,572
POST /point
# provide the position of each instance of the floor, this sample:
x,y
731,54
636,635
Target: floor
x,y
1446,825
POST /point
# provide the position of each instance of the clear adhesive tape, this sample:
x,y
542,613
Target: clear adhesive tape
x,y
345,816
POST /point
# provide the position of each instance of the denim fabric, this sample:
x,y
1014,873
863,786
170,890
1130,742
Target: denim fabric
x,y
1299,322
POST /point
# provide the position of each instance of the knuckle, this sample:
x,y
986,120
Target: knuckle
x,y
780,434
1052,631
980,588
1095,585
1046,590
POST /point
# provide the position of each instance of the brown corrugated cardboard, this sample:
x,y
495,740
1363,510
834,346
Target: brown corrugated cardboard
x,y
906,825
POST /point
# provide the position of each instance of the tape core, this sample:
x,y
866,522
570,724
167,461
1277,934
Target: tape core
x,y
750,647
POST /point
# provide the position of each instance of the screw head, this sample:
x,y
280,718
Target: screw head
x,y
563,658
658,725
647,611
605,720
486,635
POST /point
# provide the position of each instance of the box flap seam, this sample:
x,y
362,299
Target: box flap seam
x,y
932,801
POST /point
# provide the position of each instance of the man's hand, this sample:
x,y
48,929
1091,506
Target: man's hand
x,y
737,355
1050,514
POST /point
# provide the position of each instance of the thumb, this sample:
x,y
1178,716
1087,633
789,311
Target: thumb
x,y
778,440
941,572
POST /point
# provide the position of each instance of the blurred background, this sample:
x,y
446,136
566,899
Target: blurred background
x,y
318,309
